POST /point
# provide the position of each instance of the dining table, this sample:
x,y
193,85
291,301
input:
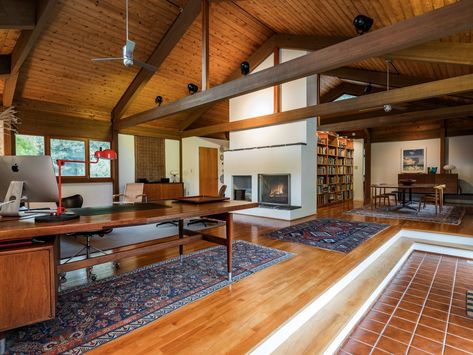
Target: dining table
x,y
405,191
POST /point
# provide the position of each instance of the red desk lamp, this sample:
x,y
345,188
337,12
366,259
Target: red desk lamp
x,y
60,214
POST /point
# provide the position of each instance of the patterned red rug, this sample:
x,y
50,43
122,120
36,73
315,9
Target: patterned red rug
x,y
330,233
94,314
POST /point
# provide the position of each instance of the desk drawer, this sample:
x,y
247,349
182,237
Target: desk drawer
x,y
27,285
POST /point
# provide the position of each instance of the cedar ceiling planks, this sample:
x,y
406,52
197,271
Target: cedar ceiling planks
x,y
59,69
234,36
8,39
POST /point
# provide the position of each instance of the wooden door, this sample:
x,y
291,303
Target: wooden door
x,y
208,171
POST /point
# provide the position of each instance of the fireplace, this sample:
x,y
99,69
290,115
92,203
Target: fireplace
x,y
242,187
274,189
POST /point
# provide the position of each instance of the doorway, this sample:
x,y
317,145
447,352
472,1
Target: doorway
x,y
208,171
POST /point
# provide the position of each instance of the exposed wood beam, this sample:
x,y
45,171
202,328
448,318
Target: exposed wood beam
x,y
18,14
394,96
193,116
205,45
148,131
438,52
25,44
160,53
395,119
434,52
454,18
361,76
9,89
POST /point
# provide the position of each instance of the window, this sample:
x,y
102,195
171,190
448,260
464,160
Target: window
x,y
29,145
70,150
102,169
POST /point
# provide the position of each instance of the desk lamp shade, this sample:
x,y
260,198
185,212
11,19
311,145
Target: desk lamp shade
x,y
449,168
108,154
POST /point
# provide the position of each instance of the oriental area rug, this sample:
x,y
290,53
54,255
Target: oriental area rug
x,y
330,233
450,214
94,314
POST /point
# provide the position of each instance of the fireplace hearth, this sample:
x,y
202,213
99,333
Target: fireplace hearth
x,y
274,189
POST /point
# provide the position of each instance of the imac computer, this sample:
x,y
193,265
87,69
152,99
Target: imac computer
x,y
26,179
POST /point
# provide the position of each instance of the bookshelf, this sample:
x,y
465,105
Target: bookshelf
x,y
334,168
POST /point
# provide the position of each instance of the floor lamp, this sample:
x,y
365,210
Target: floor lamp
x,y
61,214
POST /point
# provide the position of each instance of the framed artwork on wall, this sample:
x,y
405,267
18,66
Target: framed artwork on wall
x,y
413,160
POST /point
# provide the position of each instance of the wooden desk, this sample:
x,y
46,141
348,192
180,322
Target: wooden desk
x,y
405,203
25,230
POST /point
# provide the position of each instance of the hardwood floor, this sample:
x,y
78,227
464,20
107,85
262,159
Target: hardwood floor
x,y
235,319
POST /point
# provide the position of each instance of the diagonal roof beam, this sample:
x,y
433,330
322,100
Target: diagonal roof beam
x,y
160,53
393,120
454,18
25,45
18,14
326,110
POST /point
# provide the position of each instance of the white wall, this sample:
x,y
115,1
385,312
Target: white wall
x,y
171,149
358,169
386,158
297,160
94,194
190,161
460,151
126,160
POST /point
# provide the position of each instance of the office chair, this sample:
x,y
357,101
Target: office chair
x,y
207,221
76,201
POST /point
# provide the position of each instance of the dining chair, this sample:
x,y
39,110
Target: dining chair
x,y
133,194
379,193
436,198
207,221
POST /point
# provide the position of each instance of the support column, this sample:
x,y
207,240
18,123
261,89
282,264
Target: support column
x,y
367,183
443,155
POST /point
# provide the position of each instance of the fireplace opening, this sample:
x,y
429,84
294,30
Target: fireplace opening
x,y
274,189
242,187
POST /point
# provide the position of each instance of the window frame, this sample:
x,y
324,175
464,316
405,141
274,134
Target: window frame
x,y
75,179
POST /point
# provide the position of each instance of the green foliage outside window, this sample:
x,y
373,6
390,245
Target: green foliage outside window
x,y
29,145
70,150
102,168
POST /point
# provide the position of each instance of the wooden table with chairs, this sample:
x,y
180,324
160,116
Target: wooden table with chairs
x,y
29,251
401,192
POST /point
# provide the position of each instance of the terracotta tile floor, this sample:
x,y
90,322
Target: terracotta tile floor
x,y
421,311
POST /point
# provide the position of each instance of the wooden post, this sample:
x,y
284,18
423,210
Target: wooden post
x,y
443,157
277,88
229,241
114,163
7,143
205,45
367,183
180,160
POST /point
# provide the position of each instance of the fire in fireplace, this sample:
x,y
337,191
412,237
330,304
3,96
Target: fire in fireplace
x,y
274,189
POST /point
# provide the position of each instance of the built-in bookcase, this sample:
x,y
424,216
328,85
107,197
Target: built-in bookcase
x,y
334,168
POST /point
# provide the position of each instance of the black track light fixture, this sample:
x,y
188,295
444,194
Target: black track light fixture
x,y
158,100
193,88
245,67
362,24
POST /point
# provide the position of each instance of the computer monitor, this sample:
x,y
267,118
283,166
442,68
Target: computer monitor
x,y
37,175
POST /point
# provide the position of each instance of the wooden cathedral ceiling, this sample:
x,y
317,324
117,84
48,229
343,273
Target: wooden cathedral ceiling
x,y
59,70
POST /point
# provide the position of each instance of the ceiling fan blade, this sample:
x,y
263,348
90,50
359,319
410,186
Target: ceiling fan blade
x,y
105,59
146,66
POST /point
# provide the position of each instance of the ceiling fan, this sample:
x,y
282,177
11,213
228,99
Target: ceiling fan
x,y
386,107
128,49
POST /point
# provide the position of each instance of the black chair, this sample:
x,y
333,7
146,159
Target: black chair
x,y
76,201
207,221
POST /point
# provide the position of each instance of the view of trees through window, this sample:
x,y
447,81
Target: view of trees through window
x,y
29,145
70,149
102,168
